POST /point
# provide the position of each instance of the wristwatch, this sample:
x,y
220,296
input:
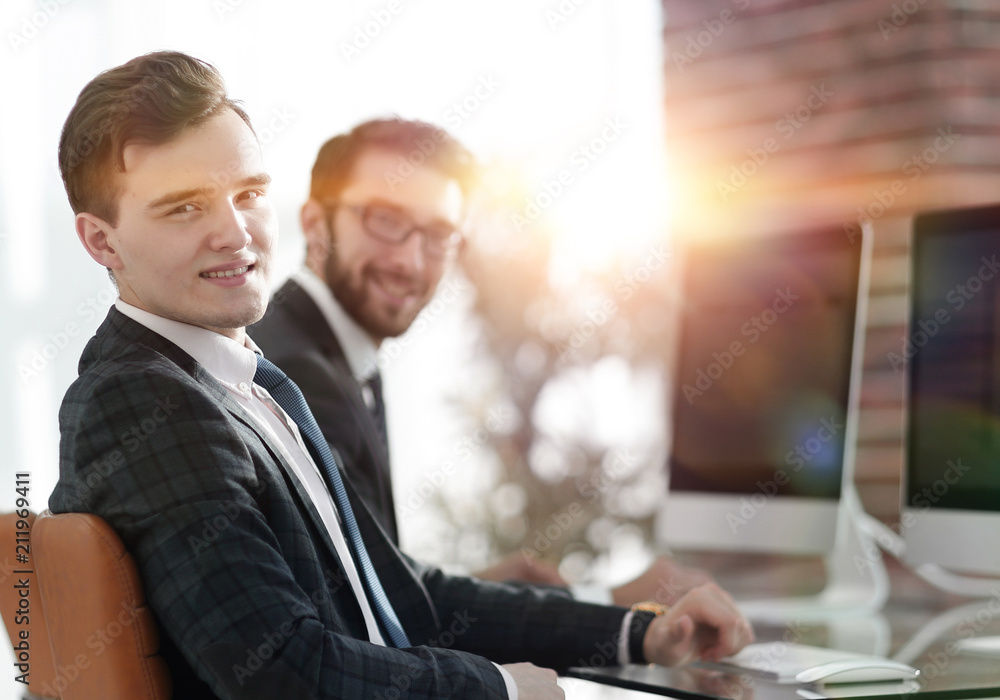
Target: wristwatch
x,y
651,606
642,615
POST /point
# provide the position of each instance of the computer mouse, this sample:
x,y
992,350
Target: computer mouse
x,y
857,671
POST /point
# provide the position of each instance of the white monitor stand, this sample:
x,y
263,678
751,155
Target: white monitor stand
x,y
857,581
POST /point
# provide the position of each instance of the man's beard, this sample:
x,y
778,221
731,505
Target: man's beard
x,y
353,296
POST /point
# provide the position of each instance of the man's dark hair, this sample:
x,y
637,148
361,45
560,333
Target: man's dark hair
x,y
150,99
417,144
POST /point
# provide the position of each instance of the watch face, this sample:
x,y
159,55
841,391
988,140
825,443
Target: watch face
x,y
650,606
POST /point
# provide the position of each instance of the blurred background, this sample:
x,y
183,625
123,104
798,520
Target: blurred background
x,y
530,408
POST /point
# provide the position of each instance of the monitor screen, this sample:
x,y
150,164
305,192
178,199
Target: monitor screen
x,y
763,391
952,357
763,373
953,350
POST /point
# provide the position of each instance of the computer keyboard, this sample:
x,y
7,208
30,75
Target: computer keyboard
x,y
800,663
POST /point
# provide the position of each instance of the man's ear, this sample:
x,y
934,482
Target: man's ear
x,y
315,227
93,232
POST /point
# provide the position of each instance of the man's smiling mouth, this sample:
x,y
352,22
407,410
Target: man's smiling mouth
x,y
235,272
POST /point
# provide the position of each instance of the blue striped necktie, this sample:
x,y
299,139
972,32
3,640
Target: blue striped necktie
x,y
290,398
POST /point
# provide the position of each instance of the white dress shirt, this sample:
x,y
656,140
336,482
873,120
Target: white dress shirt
x,y
234,366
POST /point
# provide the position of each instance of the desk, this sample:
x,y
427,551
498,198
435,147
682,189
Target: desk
x,y
919,626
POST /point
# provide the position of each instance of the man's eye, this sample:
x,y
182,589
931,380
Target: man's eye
x,y
183,209
386,217
250,194
439,234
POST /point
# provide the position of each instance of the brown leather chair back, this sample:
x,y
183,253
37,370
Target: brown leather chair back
x,y
104,638
22,614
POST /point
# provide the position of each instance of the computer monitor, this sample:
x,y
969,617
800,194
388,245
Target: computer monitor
x,y
765,391
951,353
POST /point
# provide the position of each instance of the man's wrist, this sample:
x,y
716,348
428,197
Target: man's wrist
x,y
508,681
641,620
643,615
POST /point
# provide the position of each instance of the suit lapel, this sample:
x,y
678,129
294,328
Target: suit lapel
x,y
304,310
299,490
132,331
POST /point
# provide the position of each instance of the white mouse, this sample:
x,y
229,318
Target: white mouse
x,y
857,671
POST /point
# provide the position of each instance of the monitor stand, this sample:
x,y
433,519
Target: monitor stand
x,y
857,581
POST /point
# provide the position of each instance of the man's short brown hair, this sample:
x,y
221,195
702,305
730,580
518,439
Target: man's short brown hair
x,y
416,143
150,99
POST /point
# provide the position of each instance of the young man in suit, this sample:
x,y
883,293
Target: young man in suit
x,y
266,573
367,275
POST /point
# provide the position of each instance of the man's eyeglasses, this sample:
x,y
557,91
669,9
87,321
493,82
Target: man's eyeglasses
x,y
391,225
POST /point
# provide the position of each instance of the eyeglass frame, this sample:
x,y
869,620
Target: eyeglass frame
x,y
452,245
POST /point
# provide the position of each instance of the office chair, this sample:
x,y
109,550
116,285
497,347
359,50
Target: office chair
x,y
104,638
29,614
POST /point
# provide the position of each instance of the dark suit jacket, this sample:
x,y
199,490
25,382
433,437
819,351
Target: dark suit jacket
x,y
238,568
295,335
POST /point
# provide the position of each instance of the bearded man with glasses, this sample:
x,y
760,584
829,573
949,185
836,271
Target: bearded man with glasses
x,y
382,226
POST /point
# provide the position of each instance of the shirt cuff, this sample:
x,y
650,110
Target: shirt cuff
x,y
598,595
508,681
624,658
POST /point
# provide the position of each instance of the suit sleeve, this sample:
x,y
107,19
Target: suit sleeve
x,y
514,622
161,462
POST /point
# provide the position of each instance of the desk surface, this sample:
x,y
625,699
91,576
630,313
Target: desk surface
x,y
920,626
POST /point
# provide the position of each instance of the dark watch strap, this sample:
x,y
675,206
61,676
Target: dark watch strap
x,y
637,633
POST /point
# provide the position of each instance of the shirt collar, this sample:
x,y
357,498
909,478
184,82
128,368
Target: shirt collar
x,y
224,358
359,348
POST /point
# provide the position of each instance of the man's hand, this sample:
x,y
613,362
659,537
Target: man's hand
x,y
703,624
664,581
534,683
522,567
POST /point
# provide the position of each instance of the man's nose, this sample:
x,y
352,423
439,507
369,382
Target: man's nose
x,y
230,230
411,252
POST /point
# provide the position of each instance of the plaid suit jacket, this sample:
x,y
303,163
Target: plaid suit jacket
x,y
296,336
242,576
